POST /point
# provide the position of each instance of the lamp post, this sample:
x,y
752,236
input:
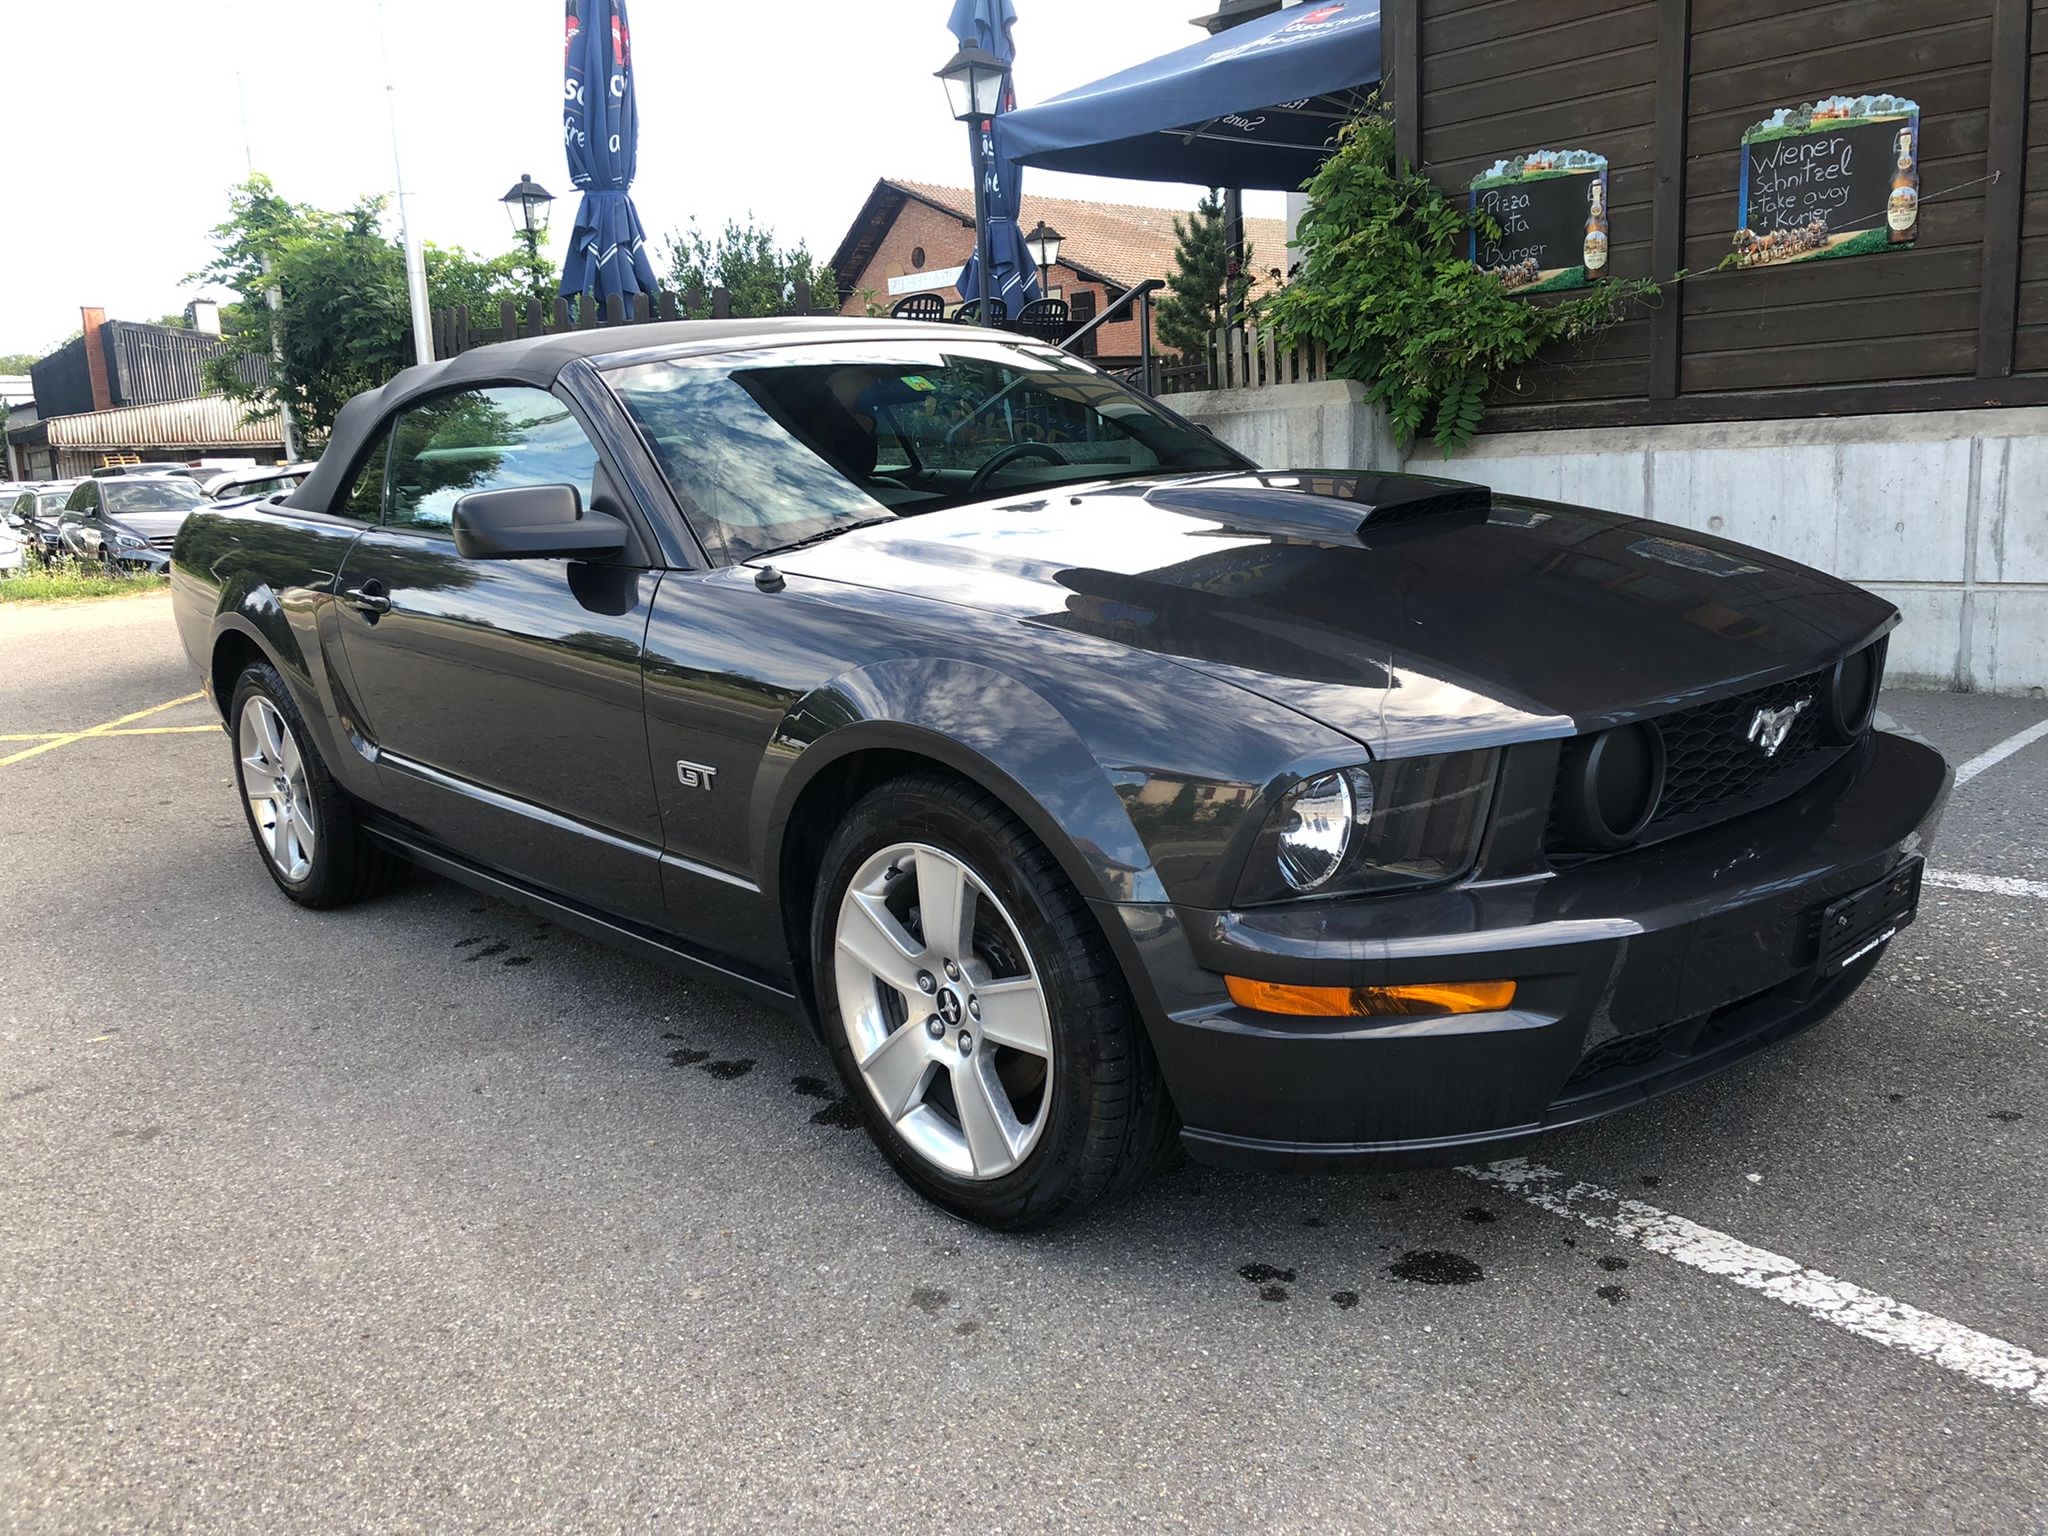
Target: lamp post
x,y
974,90
1044,243
529,205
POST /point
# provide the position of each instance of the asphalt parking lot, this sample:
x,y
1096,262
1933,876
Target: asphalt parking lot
x,y
427,1216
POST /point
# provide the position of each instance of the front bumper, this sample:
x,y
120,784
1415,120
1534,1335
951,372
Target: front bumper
x,y
1636,974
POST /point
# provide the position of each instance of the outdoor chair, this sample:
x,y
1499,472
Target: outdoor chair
x,y
1047,319
919,306
970,312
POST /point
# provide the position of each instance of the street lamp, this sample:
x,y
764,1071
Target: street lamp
x,y
974,90
1044,244
528,205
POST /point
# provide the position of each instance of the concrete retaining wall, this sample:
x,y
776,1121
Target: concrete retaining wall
x,y
1945,513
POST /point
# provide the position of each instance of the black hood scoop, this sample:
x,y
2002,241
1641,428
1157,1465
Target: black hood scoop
x,y
1336,507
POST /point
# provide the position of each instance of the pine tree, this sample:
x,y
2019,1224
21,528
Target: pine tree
x,y
1203,291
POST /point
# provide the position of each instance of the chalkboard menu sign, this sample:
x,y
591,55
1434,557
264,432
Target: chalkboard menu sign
x,y
1551,209
1838,178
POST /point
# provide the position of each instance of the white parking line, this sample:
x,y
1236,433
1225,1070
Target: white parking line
x,y
1988,1361
1988,885
1999,753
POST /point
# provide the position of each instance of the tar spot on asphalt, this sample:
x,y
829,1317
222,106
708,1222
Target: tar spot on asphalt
x,y
1272,1293
465,943
141,1137
27,1093
686,1057
1430,1266
1345,1300
1390,1194
674,1037
1651,1180
1314,1221
726,1071
1612,1262
839,1114
1896,1098
1261,1274
2006,1116
520,960
1571,1242
968,1329
495,947
810,1087
1479,1215
474,910
929,1299
1613,1295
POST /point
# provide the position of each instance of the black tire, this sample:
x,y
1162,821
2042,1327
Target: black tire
x,y
344,865
1107,1117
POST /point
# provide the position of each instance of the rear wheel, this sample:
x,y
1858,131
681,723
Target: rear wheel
x,y
304,823
975,1012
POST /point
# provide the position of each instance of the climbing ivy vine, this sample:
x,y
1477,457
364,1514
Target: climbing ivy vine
x,y
1385,285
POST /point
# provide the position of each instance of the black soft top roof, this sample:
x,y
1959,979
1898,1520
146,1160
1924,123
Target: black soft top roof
x,y
539,361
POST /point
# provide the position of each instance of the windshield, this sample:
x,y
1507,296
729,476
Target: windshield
x,y
771,449
51,501
150,495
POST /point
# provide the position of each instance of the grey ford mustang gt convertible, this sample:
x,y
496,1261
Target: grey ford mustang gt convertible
x,y
1082,783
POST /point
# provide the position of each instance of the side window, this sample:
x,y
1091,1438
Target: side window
x,y
85,501
365,499
483,440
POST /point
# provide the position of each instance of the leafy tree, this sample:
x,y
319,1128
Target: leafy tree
x,y
1203,292
344,322
747,263
19,362
1386,286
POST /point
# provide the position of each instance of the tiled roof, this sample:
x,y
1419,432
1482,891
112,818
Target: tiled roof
x,y
1124,242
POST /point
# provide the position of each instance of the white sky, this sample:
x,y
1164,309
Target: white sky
x,y
125,130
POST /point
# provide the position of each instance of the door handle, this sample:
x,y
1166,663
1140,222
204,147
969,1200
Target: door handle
x,y
370,598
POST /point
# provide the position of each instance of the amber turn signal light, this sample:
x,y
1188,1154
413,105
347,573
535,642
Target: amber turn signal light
x,y
1429,1000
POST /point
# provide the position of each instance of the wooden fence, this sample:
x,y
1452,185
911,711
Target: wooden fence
x,y
1241,357
457,331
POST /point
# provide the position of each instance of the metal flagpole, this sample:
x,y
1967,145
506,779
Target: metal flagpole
x,y
415,261
286,426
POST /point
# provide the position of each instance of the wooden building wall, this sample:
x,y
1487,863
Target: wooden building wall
x,y
1665,89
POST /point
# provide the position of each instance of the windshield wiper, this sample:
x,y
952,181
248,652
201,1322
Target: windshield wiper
x,y
821,537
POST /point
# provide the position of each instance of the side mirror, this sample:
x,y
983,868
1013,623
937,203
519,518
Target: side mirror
x,y
534,522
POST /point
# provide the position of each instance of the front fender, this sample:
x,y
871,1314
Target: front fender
x,y
983,724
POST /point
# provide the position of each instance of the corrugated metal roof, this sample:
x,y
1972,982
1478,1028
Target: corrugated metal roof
x,y
212,422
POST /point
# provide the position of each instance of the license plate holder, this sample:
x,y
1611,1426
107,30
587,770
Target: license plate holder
x,y
1857,925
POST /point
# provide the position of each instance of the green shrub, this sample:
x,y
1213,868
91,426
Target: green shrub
x,y
1385,285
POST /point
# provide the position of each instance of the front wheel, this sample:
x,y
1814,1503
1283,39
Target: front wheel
x,y
975,1012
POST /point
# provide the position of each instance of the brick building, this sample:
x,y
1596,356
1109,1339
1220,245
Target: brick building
x,y
913,237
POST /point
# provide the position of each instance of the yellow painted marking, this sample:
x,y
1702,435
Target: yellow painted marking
x,y
136,730
97,730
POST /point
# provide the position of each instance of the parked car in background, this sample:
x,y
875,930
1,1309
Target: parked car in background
x,y
128,522
34,513
268,482
1081,782
12,547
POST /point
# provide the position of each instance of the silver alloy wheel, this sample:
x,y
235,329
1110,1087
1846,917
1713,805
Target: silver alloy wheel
x,y
944,1011
274,779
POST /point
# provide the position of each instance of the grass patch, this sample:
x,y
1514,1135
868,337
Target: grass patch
x,y
71,580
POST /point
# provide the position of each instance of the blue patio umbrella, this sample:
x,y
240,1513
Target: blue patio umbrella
x,y
986,24
601,127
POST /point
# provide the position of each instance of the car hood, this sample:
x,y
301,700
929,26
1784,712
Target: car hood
x,y
152,525
1412,614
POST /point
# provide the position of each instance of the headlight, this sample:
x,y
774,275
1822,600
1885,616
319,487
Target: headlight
x,y
1414,821
129,541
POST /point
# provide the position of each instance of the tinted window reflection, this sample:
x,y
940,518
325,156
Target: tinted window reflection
x,y
769,450
482,440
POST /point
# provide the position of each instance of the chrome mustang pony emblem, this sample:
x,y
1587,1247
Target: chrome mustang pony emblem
x,y
1771,726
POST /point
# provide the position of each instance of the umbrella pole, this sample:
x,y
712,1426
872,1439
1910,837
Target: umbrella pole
x,y
986,313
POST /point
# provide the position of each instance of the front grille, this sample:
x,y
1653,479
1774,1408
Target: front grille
x,y
164,543
1712,770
